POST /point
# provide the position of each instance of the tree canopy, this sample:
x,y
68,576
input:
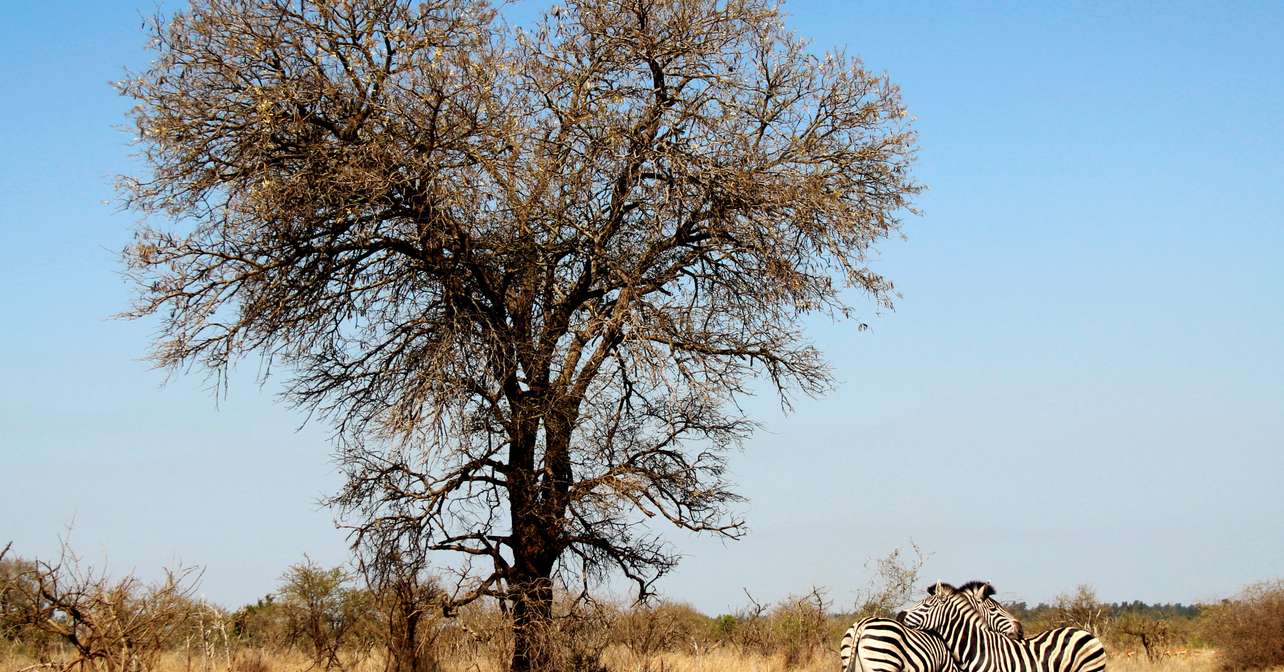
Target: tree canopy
x,y
524,272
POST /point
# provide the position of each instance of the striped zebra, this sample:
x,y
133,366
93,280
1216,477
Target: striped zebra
x,y
955,618
885,645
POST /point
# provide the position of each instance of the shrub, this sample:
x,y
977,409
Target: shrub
x,y
322,609
667,626
1249,630
106,624
1082,610
1154,634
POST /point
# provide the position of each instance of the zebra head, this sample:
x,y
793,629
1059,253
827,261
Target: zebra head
x,y
945,604
998,619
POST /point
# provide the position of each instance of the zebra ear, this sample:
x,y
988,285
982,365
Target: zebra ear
x,y
987,590
940,587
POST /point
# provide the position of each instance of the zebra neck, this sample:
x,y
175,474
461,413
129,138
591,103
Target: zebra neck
x,y
967,641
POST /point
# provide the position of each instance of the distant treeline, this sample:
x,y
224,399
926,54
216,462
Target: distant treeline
x,y
1159,610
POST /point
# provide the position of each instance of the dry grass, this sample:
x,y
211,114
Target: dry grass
x,y
1179,661
620,659
616,659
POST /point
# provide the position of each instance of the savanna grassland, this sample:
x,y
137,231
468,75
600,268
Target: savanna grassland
x,y
62,616
619,659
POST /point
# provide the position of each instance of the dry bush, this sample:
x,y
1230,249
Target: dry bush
x,y
577,639
19,597
1248,631
1082,610
1154,634
795,629
263,624
1190,661
800,627
479,633
323,610
407,614
665,626
250,662
895,576
104,624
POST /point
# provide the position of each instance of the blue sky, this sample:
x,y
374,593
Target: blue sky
x,y
1083,381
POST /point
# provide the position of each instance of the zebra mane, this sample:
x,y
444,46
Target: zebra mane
x,y
947,588
986,590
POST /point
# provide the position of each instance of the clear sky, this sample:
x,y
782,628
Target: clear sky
x,y
1083,381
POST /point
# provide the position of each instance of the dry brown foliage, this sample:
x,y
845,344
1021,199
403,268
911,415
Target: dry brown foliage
x,y
1249,630
524,273
108,625
1082,610
1152,633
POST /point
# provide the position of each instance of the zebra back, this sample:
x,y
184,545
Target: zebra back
x,y
954,617
885,645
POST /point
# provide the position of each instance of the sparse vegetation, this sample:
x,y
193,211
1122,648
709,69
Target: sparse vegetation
x,y
65,616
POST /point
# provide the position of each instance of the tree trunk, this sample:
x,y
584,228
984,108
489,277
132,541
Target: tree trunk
x,y
533,638
403,645
537,505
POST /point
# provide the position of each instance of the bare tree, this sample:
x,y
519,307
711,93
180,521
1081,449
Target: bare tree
x,y
525,273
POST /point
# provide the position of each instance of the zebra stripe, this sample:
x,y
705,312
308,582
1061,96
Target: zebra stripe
x,y
954,617
884,645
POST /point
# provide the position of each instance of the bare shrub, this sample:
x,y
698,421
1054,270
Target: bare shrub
x,y
1082,610
795,628
576,635
649,629
1248,631
107,624
799,627
481,632
895,576
19,597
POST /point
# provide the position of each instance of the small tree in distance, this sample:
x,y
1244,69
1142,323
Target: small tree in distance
x,y
896,576
1082,610
322,609
524,273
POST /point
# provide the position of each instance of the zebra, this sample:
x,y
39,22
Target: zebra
x,y
885,645
955,618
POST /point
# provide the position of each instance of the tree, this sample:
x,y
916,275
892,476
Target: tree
x,y
406,597
322,609
524,273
